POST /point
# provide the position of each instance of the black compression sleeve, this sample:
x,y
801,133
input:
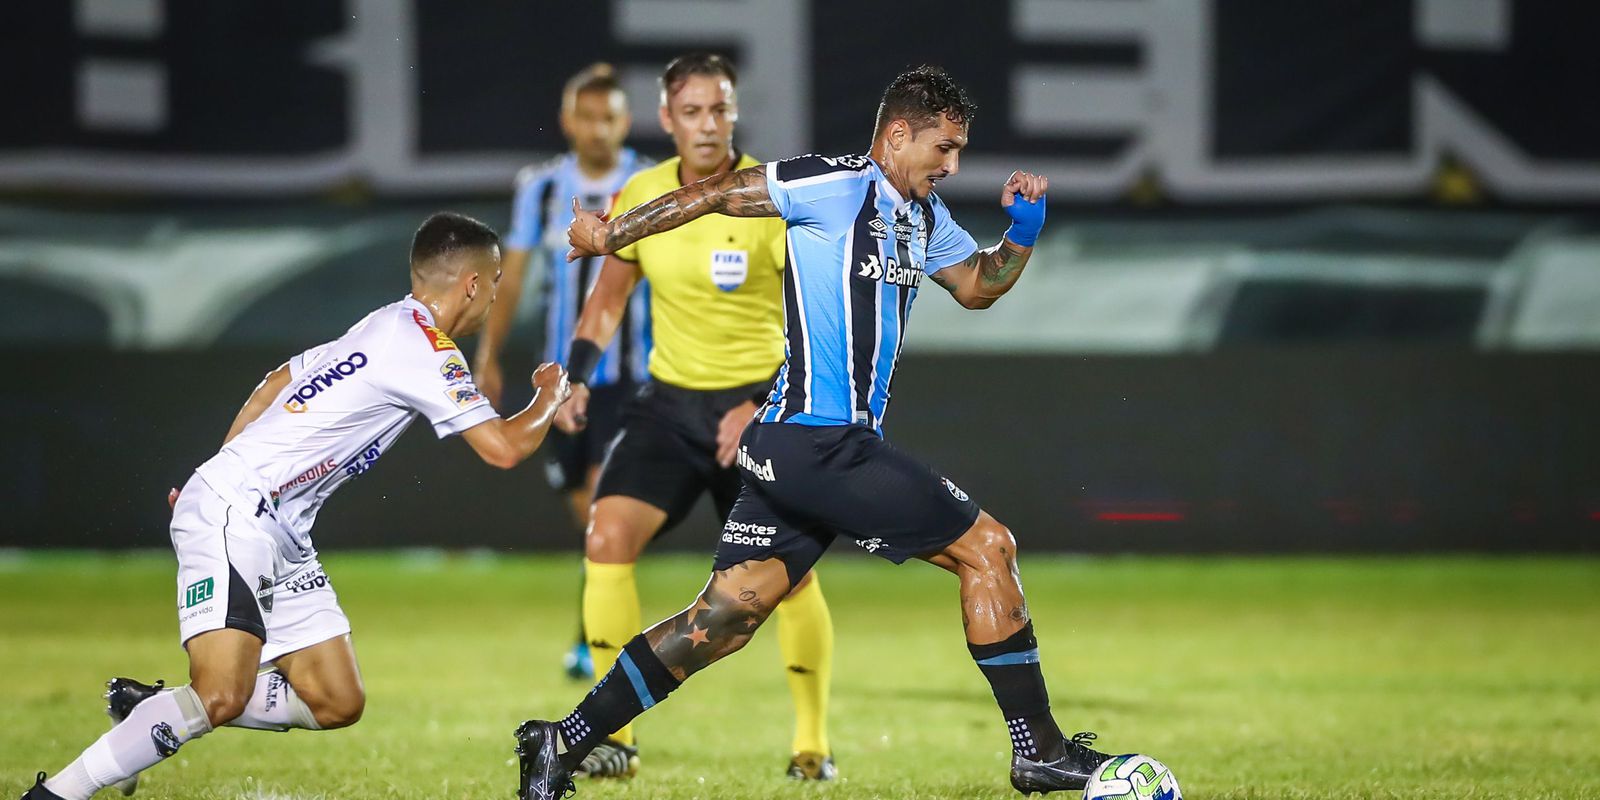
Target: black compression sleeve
x,y
581,360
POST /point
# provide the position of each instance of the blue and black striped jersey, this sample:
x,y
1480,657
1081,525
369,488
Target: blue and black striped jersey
x,y
540,214
857,251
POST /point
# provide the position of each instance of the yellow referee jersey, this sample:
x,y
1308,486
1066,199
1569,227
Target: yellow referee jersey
x,y
716,291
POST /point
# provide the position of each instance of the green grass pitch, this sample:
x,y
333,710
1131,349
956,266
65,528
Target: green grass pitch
x,y
1438,678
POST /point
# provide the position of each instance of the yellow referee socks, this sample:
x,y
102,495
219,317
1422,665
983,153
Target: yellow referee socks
x,y
805,638
611,618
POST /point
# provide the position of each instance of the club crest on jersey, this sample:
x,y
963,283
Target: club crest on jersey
x,y
437,338
463,396
321,380
264,592
888,271
454,370
729,268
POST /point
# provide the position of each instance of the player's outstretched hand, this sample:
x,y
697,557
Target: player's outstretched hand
x,y
586,234
573,415
1023,200
172,499
731,428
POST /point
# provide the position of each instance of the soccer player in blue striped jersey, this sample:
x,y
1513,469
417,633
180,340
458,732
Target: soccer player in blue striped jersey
x,y
864,231
595,121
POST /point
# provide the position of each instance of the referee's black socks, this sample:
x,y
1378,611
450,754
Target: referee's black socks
x,y
635,683
1012,667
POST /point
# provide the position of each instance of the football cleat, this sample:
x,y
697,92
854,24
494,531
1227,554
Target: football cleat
x,y
38,792
541,776
812,767
577,663
609,759
1069,772
122,695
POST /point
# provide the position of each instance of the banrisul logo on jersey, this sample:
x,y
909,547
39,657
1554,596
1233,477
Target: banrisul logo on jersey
x,y
889,271
322,380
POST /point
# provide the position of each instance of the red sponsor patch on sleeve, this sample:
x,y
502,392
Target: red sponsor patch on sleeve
x,y
436,337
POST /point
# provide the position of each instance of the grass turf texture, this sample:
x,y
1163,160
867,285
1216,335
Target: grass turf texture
x,y
1416,678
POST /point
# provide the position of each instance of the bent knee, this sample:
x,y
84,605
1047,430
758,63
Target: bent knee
x,y
341,712
223,704
614,543
994,540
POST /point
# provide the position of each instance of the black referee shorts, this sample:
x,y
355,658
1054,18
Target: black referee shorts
x,y
571,455
666,454
805,486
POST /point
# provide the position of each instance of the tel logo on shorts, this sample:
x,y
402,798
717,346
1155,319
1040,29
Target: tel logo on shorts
x,y
199,592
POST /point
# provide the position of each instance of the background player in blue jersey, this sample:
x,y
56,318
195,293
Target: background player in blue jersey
x,y
595,121
863,231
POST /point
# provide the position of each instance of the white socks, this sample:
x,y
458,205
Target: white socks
x,y
274,707
154,730
157,727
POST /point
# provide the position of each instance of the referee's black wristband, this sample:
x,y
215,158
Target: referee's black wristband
x,y
581,360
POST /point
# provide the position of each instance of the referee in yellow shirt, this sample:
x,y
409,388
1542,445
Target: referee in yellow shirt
x,y
717,320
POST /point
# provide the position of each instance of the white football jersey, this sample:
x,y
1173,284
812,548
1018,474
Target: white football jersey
x,y
346,403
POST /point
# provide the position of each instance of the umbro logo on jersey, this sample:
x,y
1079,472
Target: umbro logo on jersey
x,y
323,379
878,229
876,269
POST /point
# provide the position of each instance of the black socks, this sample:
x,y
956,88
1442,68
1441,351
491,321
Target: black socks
x,y
1012,667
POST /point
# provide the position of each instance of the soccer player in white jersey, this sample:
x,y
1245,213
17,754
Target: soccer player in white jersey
x,y
251,593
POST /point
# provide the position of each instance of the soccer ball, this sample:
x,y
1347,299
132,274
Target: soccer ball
x,y
1132,777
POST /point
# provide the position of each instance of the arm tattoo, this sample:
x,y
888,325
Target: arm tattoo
x,y
944,280
741,193
1001,266
985,275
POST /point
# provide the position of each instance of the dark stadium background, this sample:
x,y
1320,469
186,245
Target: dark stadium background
x,y
1320,276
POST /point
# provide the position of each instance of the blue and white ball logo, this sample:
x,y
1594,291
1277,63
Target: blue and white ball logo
x,y
1132,777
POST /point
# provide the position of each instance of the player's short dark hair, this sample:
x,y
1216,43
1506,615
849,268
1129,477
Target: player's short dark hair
x,y
681,68
922,95
597,77
447,233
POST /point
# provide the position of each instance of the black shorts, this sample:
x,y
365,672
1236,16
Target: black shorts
x,y
571,455
666,454
804,486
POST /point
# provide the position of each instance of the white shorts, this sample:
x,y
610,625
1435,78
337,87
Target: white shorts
x,y
231,575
